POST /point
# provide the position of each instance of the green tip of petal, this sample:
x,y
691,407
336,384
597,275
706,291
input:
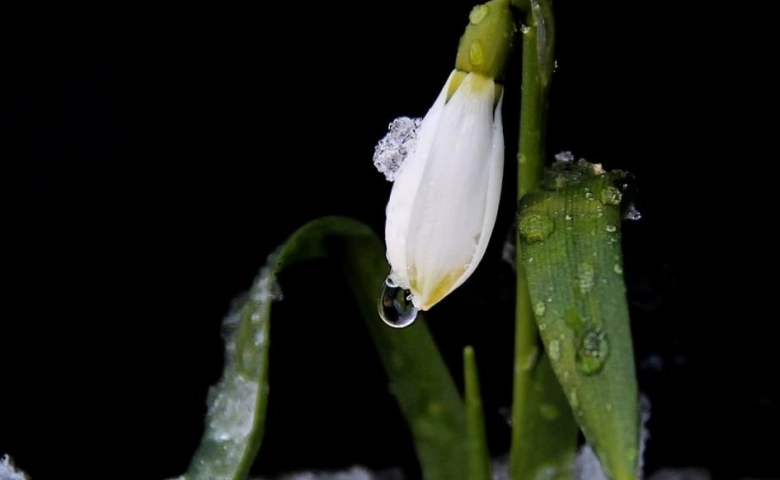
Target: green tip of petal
x,y
487,41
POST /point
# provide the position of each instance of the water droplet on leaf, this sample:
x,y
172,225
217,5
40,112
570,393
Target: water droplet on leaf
x,y
554,350
593,351
539,309
395,306
585,277
589,194
611,196
535,227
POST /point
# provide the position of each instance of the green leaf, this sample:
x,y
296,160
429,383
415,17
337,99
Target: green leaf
x,y
418,376
570,234
479,457
549,444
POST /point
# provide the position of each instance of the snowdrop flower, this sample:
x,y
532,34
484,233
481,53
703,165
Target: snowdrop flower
x,y
444,201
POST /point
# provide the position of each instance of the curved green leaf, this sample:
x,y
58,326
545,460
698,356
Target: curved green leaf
x,y
419,378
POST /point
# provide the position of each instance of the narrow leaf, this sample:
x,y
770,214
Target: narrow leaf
x,y
419,378
548,445
479,457
570,234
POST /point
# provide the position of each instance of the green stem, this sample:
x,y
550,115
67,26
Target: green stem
x,y
537,62
479,457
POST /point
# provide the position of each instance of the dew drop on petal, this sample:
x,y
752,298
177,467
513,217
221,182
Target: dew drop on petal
x,y
395,306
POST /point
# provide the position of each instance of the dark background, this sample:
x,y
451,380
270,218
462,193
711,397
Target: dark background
x,y
154,156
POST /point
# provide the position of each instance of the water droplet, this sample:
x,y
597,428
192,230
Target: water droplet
x,y
478,14
554,350
542,327
585,277
589,194
476,57
611,228
539,309
618,269
564,156
573,400
395,306
593,351
568,216
390,283
632,214
536,227
611,196
549,411
525,28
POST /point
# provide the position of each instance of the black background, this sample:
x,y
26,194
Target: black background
x,y
154,155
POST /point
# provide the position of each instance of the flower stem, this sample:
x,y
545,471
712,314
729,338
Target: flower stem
x,y
538,39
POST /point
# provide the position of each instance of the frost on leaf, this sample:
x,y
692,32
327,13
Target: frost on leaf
x,y
399,142
234,403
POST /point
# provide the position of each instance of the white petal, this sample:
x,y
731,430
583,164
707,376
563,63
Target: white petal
x,y
493,194
447,229
405,188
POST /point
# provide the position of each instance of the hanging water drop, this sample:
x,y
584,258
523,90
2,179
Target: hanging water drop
x,y
395,305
